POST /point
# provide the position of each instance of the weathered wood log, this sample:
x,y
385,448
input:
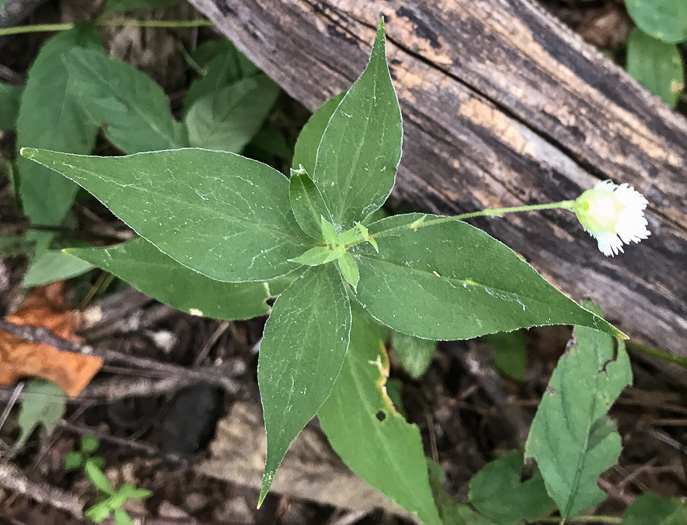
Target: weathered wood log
x,y
503,106
311,470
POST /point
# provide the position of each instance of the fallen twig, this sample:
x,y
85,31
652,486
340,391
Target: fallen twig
x,y
208,375
129,443
14,480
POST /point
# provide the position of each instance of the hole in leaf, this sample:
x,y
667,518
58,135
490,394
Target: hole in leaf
x,y
381,416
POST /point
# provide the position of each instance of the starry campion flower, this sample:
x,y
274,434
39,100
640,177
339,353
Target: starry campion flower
x,y
613,214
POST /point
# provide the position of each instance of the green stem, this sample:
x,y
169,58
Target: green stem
x,y
584,519
567,205
657,353
42,28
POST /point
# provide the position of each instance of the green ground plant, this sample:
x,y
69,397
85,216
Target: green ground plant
x,y
219,234
111,501
653,53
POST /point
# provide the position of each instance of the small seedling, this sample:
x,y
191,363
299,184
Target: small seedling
x,y
78,458
110,501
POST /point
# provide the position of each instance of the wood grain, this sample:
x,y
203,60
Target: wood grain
x,y
502,106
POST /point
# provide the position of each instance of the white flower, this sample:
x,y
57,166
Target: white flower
x,y
613,215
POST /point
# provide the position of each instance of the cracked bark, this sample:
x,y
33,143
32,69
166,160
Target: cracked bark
x,y
503,106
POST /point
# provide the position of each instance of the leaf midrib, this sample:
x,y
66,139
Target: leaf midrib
x,y
453,280
215,214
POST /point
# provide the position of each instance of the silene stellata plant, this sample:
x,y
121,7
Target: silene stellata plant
x,y
226,233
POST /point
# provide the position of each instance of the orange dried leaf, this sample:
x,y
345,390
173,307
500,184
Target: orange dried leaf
x,y
45,307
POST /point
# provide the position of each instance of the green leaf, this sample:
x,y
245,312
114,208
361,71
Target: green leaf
x,y
72,461
270,140
349,269
89,444
510,353
318,255
132,108
97,477
136,493
652,508
120,515
224,64
662,19
43,404
53,265
218,213
361,146
656,65
98,461
228,119
571,437
414,354
452,281
365,429
328,232
301,355
51,116
99,512
305,151
451,513
308,205
147,269
497,492
10,97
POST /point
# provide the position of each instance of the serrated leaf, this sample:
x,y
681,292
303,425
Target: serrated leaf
x,y
152,272
571,437
372,438
10,97
121,6
361,146
414,354
662,19
218,213
510,353
132,108
453,281
53,265
301,355
224,65
652,508
656,65
228,119
349,269
497,492
51,116
307,204
305,151
43,404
